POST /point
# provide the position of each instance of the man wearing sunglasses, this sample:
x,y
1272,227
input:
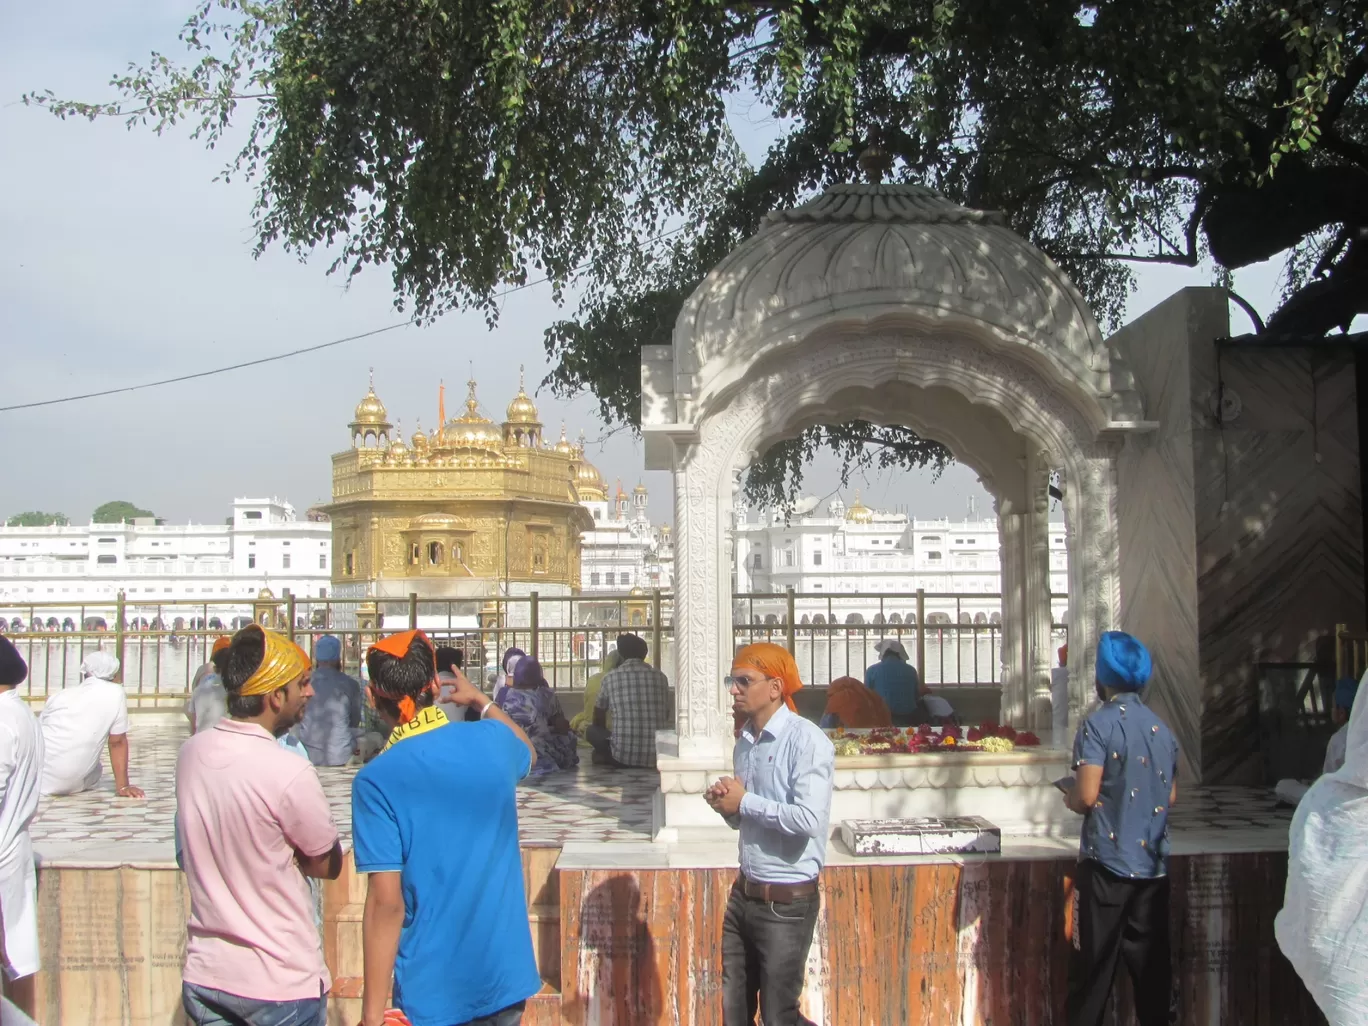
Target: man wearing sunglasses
x,y
780,801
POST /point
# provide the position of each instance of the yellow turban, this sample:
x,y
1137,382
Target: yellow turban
x,y
283,662
773,661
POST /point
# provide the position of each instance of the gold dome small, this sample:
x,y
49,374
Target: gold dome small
x,y
522,410
370,417
859,513
640,489
419,439
565,447
589,482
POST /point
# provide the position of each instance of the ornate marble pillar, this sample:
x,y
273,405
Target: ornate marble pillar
x,y
1012,537
1038,620
702,614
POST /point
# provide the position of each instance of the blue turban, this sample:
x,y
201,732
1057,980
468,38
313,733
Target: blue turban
x,y
1345,690
328,649
1123,662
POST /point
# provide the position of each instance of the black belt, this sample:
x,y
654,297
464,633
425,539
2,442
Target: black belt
x,y
782,893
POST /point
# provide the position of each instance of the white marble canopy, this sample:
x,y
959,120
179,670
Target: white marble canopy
x,y
889,303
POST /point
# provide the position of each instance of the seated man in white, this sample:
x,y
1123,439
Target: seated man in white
x,y
76,722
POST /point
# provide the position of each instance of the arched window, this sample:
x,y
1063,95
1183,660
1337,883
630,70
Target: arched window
x,y
895,618
965,618
995,617
771,620
435,554
806,619
980,618
415,554
854,618
879,618
819,619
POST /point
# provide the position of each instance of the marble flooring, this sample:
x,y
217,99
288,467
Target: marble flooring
x,y
589,805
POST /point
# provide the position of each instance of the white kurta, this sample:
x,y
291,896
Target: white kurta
x,y
21,763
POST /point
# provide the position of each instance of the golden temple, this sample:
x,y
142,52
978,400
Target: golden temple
x,y
473,509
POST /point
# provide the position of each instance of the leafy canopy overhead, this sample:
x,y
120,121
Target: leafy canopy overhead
x,y
472,144
35,518
118,512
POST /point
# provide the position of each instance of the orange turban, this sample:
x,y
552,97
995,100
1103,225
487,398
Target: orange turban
x,y
282,662
1064,655
773,661
220,643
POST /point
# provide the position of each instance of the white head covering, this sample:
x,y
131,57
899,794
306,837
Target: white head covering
x,y
1323,925
891,645
100,664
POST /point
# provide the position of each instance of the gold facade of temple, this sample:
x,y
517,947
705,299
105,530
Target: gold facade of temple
x,y
471,509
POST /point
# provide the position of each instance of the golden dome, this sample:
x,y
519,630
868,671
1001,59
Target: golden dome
x,y
859,513
640,489
522,410
565,447
471,430
419,439
370,412
588,481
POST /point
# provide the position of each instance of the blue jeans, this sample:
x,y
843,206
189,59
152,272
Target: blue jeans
x,y
207,1007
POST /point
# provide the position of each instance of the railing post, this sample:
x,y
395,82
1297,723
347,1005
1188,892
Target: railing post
x,y
289,614
789,639
921,634
1340,630
413,610
656,630
534,615
118,632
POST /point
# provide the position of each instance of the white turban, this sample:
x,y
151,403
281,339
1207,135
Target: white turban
x,y
101,665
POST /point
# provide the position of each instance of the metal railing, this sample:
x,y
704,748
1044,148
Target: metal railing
x,y
161,646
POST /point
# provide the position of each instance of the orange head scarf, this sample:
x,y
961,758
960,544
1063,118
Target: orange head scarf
x,y
398,645
857,705
1064,655
282,662
773,661
220,643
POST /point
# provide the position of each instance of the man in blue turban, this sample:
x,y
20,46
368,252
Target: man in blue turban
x,y
1126,760
332,719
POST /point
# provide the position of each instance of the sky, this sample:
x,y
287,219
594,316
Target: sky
x,y
122,261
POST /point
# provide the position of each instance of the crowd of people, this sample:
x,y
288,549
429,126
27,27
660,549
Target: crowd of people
x,y
445,928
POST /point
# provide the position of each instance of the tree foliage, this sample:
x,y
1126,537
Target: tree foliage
x,y
35,518
470,144
118,512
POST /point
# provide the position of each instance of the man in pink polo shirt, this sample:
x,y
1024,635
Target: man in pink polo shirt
x,y
254,823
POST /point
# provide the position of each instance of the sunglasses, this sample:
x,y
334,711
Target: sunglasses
x,y
744,682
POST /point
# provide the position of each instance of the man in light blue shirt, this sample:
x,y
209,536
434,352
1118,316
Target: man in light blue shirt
x,y
894,679
780,801
332,721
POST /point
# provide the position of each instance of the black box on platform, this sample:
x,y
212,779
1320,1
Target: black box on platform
x,y
932,836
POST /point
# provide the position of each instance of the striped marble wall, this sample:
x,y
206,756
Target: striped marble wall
x,y
1242,541
982,944
1279,529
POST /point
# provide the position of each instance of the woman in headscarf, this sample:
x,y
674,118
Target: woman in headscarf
x,y
1323,925
612,659
504,682
532,705
851,704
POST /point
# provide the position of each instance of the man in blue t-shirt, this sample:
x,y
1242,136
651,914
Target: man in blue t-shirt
x,y
435,824
895,680
1127,761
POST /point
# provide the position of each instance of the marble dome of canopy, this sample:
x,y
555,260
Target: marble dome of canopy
x,y
883,260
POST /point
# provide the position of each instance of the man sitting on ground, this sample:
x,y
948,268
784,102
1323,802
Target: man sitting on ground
x,y
638,697
255,824
332,718
435,824
896,682
76,724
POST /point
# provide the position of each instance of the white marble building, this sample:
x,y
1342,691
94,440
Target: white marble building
x,y
881,557
624,552
263,545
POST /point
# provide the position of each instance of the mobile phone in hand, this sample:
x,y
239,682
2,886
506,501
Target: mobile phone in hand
x,y
1065,784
